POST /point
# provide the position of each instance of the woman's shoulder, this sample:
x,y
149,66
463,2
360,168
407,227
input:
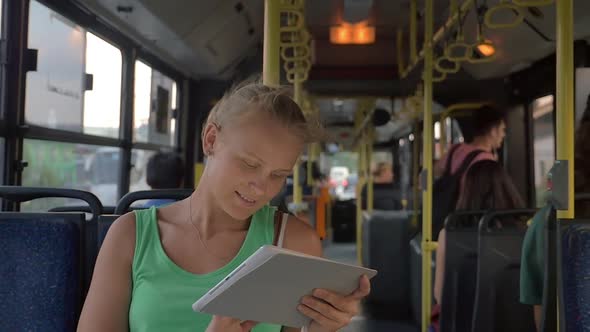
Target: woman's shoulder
x,y
301,237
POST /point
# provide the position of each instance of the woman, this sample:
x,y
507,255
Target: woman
x,y
487,186
155,263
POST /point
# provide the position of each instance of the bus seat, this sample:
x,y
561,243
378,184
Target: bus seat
x,y
343,220
124,204
416,277
575,272
458,293
497,304
104,223
385,238
41,264
94,207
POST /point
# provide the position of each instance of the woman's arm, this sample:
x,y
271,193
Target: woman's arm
x,y
329,311
107,304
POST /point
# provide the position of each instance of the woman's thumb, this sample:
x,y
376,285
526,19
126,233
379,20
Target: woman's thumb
x,y
248,325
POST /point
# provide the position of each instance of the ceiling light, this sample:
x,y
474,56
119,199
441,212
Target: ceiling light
x,y
486,48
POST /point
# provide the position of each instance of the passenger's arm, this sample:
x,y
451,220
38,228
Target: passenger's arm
x,y
107,305
439,272
538,310
329,311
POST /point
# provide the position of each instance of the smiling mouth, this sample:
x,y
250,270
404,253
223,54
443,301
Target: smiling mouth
x,y
246,199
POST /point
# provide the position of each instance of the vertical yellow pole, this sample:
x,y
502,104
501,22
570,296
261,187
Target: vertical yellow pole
x,y
565,95
427,246
565,102
413,31
297,190
271,57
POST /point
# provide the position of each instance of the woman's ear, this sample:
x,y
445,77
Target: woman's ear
x,y
210,135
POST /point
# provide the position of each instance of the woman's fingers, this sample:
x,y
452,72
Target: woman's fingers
x,y
363,290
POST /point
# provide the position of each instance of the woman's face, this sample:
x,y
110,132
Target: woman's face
x,y
249,162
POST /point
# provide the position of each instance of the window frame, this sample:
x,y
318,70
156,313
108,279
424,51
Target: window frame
x,y
13,127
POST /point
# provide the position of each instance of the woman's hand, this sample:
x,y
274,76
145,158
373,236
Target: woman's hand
x,y
227,324
330,311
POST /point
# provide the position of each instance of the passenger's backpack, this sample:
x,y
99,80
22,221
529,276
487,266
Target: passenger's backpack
x,y
446,190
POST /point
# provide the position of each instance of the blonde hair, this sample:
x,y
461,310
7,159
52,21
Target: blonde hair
x,y
252,95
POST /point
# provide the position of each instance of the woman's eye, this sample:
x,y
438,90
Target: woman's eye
x,y
249,165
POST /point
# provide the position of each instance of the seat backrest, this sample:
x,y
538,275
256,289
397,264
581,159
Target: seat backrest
x,y
497,304
23,194
458,291
104,223
125,202
81,208
386,235
41,260
575,284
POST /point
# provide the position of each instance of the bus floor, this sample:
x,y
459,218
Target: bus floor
x,y
346,253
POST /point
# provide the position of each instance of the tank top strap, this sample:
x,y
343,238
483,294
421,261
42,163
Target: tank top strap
x,y
146,235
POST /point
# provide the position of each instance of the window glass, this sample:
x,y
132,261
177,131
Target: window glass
x,y
102,104
139,160
155,106
60,94
342,171
65,165
543,145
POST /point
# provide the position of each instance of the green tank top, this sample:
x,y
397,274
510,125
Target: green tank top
x,y
163,292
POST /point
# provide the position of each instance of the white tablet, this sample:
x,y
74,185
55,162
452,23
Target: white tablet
x,y
269,285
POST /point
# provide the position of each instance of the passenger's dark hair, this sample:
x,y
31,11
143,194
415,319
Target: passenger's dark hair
x,y
165,170
488,186
486,118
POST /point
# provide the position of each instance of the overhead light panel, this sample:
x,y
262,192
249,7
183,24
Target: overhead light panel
x,y
346,33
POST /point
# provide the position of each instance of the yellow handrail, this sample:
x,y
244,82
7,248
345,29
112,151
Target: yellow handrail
x,y
499,8
427,245
270,59
439,35
295,51
533,3
441,77
439,65
565,96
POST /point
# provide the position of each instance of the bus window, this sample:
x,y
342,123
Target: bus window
x,y
139,160
58,93
544,144
66,165
155,105
102,104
